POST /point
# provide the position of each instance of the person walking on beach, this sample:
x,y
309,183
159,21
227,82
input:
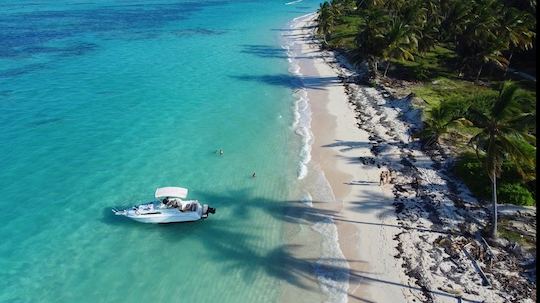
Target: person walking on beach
x,y
389,176
416,185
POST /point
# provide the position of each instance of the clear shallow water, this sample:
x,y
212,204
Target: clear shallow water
x,y
100,104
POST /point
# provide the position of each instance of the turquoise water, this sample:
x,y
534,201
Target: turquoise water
x,y
100,103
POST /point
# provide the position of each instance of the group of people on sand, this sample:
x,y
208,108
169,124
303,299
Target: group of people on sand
x,y
220,152
386,177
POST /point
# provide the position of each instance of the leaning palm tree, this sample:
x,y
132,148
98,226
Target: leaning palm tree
x,y
505,133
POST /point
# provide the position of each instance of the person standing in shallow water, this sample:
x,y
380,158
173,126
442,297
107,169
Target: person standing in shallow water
x,y
253,175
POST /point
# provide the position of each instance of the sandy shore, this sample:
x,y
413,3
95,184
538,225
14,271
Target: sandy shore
x,y
413,240
364,215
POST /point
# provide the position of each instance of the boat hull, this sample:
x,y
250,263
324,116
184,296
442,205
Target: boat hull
x,y
148,213
165,218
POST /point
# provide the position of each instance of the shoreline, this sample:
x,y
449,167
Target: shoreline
x,y
368,249
366,208
415,239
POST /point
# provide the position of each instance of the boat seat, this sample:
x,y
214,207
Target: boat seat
x,y
186,207
193,207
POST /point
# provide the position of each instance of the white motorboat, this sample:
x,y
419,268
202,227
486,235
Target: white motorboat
x,y
169,207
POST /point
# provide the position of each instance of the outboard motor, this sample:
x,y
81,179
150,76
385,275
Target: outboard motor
x,y
207,210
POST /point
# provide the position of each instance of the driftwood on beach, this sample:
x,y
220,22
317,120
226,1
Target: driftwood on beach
x,y
476,266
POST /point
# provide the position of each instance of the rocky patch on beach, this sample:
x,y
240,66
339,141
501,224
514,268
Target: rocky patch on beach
x,y
441,244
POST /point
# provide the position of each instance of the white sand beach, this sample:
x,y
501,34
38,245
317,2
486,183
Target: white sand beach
x,y
386,232
365,214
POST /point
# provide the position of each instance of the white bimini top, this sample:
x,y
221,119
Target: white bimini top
x,y
171,192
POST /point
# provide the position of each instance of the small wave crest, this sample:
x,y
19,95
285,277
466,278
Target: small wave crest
x,y
293,2
332,269
299,19
302,111
302,127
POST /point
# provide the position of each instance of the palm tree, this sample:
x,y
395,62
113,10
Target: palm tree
x,y
516,29
455,17
401,43
366,4
371,41
483,29
325,21
430,32
491,54
476,39
439,120
504,133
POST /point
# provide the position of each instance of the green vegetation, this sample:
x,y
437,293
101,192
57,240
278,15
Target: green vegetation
x,y
505,133
507,231
479,32
511,187
442,89
456,54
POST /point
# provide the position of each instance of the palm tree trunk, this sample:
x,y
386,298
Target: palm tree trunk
x,y
372,68
494,200
479,72
375,68
508,65
387,66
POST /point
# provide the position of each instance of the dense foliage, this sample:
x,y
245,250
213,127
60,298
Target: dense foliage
x,y
454,40
511,187
503,130
480,31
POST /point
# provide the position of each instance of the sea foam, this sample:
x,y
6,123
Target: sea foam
x,y
332,269
293,2
302,111
302,127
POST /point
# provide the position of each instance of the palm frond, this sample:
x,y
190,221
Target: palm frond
x,y
477,118
505,101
